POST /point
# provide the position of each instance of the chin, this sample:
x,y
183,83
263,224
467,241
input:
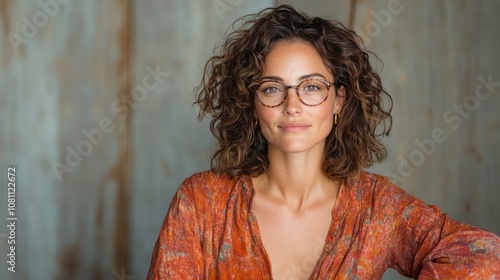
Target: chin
x,y
297,147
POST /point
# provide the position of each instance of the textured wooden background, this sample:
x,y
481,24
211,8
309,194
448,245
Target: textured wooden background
x,y
101,91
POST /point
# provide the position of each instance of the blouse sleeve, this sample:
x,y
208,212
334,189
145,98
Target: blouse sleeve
x,y
430,245
177,253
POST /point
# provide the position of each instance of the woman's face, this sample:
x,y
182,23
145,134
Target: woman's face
x,y
293,126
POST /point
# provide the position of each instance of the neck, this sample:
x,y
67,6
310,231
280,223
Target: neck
x,y
297,178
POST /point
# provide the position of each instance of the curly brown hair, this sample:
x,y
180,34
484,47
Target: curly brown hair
x,y
227,96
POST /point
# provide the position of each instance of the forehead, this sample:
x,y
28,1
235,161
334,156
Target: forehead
x,y
293,59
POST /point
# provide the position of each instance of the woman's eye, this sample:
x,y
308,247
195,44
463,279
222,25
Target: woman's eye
x,y
311,88
272,90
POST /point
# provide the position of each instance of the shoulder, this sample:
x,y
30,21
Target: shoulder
x,y
208,196
383,198
377,190
210,185
212,180
207,177
369,184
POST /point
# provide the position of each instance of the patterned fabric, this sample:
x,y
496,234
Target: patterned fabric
x,y
210,232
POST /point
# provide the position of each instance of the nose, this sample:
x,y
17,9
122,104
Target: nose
x,y
293,105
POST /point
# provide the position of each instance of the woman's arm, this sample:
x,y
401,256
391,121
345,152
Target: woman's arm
x,y
430,245
454,250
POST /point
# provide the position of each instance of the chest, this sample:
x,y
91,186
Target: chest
x,y
293,242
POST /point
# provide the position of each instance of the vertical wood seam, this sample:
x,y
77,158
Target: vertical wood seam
x,y
352,14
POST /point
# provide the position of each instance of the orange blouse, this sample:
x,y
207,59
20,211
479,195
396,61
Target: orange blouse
x,y
210,232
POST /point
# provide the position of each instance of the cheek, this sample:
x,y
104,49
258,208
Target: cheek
x,y
326,117
328,121
265,120
264,114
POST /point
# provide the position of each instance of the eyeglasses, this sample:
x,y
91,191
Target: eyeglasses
x,y
311,92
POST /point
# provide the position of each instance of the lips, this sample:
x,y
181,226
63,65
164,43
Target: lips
x,y
293,127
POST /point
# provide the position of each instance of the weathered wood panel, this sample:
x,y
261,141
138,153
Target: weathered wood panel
x,y
58,88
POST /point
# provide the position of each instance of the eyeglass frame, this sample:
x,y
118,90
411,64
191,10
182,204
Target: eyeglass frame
x,y
296,87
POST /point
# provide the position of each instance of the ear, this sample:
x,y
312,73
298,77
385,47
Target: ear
x,y
339,100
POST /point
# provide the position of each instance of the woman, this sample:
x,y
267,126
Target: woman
x,y
297,111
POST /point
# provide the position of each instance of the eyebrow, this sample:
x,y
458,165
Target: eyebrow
x,y
304,77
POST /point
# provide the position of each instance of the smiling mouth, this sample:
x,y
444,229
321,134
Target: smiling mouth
x,y
293,127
